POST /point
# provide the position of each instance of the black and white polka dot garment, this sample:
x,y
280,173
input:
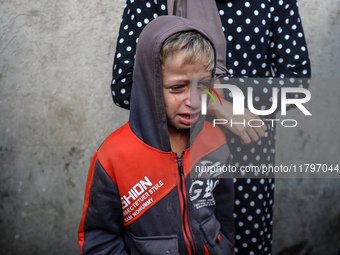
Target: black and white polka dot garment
x,y
137,14
264,37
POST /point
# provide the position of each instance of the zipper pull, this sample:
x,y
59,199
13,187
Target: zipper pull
x,y
180,165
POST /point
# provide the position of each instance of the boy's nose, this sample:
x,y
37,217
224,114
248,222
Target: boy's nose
x,y
194,99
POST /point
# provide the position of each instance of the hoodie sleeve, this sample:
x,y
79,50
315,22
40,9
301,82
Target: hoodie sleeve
x,y
101,225
136,15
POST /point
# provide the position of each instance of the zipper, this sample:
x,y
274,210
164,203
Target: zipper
x,y
184,211
180,165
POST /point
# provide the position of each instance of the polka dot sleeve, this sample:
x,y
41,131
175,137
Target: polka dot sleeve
x,y
137,14
289,56
286,58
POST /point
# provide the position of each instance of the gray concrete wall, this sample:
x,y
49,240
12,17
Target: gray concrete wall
x,y
56,108
307,211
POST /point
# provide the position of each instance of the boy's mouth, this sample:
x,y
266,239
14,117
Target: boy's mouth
x,y
189,119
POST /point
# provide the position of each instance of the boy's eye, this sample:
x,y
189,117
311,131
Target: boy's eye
x,y
177,88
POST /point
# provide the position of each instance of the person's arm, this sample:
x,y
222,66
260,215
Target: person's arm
x,y
101,225
137,14
289,60
287,55
288,50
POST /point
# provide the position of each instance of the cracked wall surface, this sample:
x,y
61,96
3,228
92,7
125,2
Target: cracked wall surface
x,y
56,109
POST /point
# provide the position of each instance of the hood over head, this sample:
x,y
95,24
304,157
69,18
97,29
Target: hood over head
x,y
147,111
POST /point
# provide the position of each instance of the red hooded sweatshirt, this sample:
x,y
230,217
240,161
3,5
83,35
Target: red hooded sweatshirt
x,y
141,198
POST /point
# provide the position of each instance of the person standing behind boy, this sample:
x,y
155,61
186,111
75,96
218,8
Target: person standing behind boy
x,y
264,39
140,198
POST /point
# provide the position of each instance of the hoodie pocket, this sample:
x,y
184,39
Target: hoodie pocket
x,y
217,243
211,229
154,245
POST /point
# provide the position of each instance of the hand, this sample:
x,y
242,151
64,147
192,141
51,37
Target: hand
x,y
247,134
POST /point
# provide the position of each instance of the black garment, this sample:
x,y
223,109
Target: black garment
x,y
263,37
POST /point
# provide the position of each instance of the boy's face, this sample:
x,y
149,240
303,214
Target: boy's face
x,y
182,104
